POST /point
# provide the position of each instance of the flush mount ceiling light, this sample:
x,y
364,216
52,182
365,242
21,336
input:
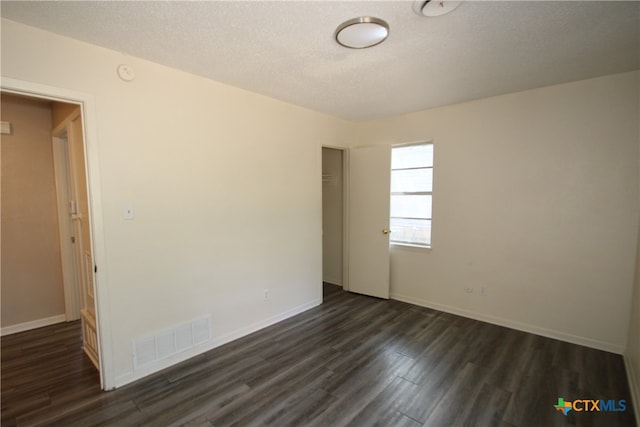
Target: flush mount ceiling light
x,y
434,7
359,33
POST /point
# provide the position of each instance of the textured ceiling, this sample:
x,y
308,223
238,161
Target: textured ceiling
x,y
286,50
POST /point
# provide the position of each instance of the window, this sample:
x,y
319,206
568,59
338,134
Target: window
x,y
411,194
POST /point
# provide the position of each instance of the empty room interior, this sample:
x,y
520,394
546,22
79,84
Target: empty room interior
x,y
395,213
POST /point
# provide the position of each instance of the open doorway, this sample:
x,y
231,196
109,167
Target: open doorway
x,y
47,266
32,285
334,263
75,224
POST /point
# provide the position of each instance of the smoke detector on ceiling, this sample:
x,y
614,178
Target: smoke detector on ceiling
x,y
434,7
126,73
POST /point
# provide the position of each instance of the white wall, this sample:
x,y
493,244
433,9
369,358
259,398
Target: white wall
x,y
536,197
225,186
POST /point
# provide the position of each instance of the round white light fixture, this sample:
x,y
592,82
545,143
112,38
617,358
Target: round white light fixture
x,y
359,33
434,7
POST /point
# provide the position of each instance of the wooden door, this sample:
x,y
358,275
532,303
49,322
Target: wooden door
x,y
79,210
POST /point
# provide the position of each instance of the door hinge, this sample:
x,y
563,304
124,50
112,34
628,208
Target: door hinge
x,y
95,268
73,239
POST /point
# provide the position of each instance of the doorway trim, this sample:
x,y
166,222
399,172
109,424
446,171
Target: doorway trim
x,y
87,107
345,210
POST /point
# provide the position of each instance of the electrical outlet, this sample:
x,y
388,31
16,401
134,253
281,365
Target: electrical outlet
x,y
484,291
266,294
468,290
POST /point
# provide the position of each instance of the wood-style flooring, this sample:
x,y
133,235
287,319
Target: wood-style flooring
x,y
354,360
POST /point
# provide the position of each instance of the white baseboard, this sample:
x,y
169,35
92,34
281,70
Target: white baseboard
x,y
130,377
34,324
549,333
633,378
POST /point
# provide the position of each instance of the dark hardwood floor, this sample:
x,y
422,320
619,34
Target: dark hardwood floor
x,y
355,361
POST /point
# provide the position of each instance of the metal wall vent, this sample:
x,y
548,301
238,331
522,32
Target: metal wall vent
x,y
168,342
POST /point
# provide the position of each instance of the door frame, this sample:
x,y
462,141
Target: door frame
x,y
88,112
345,210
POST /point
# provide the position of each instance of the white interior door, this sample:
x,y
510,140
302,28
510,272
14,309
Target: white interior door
x,y
369,194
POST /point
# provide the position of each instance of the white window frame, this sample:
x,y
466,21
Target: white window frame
x,y
414,193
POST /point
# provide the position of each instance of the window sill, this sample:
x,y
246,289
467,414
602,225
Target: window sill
x,y
410,247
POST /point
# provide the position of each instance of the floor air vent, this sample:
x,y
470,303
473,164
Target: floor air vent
x,y
166,343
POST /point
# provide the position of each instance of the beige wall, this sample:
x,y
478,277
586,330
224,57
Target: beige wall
x,y
535,197
632,354
332,215
225,186
31,270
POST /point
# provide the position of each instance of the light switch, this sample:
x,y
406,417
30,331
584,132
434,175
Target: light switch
x,y
127,212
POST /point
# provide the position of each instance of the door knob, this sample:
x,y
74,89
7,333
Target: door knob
x,y
386,231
